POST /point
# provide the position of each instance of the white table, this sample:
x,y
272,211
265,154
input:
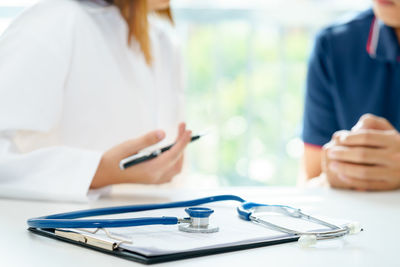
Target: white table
x,y
378,245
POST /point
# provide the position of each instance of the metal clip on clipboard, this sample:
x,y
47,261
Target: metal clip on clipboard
x,y
88,239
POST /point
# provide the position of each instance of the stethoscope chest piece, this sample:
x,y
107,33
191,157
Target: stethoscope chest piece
x,y
198,221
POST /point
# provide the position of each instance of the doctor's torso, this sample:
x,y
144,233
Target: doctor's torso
x,y
110,94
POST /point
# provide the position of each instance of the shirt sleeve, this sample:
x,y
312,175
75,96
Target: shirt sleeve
x,y
34,62
319,122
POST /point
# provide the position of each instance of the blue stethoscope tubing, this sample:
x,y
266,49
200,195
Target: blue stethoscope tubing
x,y
247,211
72,219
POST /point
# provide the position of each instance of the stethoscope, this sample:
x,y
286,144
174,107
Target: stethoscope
x,y
198,220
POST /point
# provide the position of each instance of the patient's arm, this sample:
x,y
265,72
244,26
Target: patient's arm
x,y
311,162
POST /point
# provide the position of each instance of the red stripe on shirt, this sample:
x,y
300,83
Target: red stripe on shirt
x,y
371,34
313,145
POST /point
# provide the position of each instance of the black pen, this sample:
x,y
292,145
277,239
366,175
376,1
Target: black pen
x,y
145,156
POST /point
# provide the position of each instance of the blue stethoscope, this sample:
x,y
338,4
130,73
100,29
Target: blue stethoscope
x,y
198,220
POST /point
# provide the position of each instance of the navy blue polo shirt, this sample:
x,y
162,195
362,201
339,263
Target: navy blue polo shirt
x,y
354,69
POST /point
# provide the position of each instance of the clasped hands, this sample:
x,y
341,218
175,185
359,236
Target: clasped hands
x,y
367,158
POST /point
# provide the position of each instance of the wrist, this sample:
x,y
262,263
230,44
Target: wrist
x,y
102,176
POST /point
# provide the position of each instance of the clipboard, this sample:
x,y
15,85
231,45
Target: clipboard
x,y
144,259
163,243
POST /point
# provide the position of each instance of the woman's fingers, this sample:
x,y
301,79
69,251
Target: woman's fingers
x,y
168,159
171,156
177,168
132,146
170,163
172,171
181,130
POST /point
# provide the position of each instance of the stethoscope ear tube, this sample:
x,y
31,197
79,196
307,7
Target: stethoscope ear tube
x,y
100,223
73,219
254,212
246,209
243,214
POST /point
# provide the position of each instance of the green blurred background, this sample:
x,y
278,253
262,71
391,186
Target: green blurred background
x,y
246,65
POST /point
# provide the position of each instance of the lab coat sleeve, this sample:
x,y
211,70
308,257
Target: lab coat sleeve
x,y
34,61
54,173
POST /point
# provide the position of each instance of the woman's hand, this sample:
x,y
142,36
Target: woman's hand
x,y
156,171
366,158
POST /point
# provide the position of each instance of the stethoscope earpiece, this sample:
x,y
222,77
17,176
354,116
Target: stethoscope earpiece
x,y
354,228
306,241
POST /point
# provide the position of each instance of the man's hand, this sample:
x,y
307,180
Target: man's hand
x,y
365,158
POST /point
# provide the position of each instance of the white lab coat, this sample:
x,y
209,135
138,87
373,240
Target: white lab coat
x,y
71,88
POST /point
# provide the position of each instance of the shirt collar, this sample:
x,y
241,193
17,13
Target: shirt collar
x,y
382,42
